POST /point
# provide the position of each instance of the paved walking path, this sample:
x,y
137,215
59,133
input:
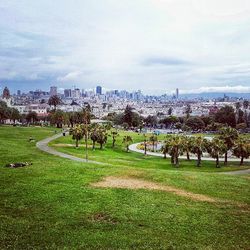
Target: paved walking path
x,y
43,145
133,147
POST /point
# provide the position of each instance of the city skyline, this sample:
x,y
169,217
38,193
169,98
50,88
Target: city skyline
x,y
153,45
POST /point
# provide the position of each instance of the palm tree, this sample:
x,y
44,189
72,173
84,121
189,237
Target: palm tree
x,y
165,148
216,148
154,140
94,135
101,136
242,149
114,134
145,144
228,135
197,148
54,100
186,144
174,146
77,133
86,128
127,139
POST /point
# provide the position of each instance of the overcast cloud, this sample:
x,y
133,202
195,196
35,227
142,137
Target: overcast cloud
x,y
153,45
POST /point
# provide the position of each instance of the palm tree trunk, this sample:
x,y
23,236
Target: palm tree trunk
x,y
145,148
188,157
225,161
77,143
93,145
199,160
176,161
127,148
165,156
86,147
241,160
217,161
172,159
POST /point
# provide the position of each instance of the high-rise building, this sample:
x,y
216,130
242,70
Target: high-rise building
x,y
98,90
76,93
18,92
6,93
67,93
53,90
177,93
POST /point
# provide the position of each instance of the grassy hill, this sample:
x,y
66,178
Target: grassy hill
x,y
53,204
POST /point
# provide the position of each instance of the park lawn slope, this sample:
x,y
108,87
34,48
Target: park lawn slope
x,y
53,205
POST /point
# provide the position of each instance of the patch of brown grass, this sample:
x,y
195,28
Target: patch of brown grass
x,y
133,183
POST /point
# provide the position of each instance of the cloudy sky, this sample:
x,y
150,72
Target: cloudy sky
x,y
153,45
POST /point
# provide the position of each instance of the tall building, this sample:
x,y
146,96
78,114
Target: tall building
x,y
67,93
53,90
177,93
6,93
76,93
18,92
98,90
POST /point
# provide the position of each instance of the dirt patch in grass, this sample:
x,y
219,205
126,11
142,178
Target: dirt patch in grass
x,y
102,217
133,183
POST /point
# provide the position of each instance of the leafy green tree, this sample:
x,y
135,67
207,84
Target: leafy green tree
x,y
54,101
150,121
208,120
245,106
127,139
228,135
31,117
169,121
128,115
3,111
14,115
195,123
241,149
226,116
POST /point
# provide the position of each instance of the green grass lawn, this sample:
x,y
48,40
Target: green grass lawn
x,y
51,204
117,156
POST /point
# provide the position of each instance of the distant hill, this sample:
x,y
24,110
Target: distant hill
x,y
212,95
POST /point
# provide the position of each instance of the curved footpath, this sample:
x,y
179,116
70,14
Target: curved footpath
x,y
43,145
133,147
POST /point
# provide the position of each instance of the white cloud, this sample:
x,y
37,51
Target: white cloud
x,y
186,43
221,89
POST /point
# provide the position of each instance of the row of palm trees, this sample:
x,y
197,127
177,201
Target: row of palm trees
x,y
228,140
